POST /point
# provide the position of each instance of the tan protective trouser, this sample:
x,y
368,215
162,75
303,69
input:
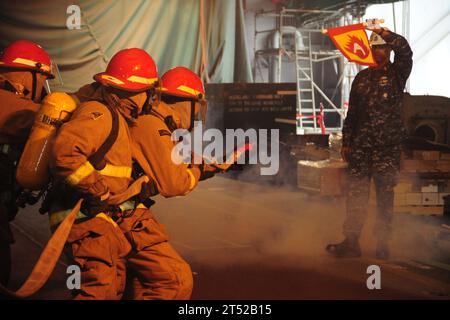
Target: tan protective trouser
x,y
138,246
99,248
156,271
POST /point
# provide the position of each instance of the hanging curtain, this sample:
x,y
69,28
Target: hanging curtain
x,y
172,31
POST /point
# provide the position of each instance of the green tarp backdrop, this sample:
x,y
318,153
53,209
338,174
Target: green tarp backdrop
x,y
170,30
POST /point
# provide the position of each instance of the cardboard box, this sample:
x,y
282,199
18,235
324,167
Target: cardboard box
x,y
324,177
414,199
403,187
441,197
399,199
409,165
420,210
426,155
430,198
430,188
443,165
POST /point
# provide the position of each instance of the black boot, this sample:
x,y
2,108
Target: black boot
x,y
349,248
382,251
5,263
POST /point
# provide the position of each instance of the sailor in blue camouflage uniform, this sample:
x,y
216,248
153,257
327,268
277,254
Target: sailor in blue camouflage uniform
x,y
372,136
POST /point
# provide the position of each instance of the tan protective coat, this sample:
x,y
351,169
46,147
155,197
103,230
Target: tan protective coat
x,y
17,113
152,149
81,137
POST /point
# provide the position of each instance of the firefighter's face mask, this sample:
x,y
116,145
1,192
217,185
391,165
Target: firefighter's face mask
x,y
40,86
56,83
131,102
28,83
190,112
381,54
139,100
201,109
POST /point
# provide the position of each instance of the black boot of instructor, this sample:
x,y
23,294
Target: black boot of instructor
x,y
349,248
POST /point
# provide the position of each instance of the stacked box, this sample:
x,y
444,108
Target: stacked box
x,y
426,155
412,193
426,161
422,197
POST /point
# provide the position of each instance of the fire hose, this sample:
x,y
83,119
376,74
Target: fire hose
x,y
234,156
50,255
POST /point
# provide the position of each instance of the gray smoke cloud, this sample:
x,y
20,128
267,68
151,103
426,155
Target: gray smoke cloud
x,y
224,217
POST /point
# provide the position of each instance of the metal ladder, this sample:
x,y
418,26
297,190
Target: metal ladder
x,y
311,98
306,103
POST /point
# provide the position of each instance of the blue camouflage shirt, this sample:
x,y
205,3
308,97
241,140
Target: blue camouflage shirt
x,y
374,114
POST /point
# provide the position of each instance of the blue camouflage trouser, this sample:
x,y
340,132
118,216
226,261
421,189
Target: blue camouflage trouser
x,y
382,164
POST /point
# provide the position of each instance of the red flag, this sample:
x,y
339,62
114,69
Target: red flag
x,y
352,41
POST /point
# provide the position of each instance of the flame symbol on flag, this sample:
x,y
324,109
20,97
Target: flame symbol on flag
x,y
357,47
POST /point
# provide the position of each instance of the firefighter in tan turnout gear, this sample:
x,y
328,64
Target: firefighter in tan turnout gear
x,y
24,68
92,160
182,102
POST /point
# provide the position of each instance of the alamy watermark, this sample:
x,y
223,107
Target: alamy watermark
x,y
74,17
374,280
262,148
74,279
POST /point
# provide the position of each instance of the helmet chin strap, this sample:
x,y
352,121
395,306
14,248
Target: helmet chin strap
x,y
148,105
192,116
134,113
152,95
34,85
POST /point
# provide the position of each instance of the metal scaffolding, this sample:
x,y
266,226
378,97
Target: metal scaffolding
x,y
310,109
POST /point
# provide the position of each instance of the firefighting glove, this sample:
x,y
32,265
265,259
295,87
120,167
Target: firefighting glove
x,y
207,171
148,190
93,205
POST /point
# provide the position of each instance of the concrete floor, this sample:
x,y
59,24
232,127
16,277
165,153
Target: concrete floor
x,y
255,241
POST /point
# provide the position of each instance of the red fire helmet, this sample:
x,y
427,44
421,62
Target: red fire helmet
x,y
26,55
130,70
182,82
